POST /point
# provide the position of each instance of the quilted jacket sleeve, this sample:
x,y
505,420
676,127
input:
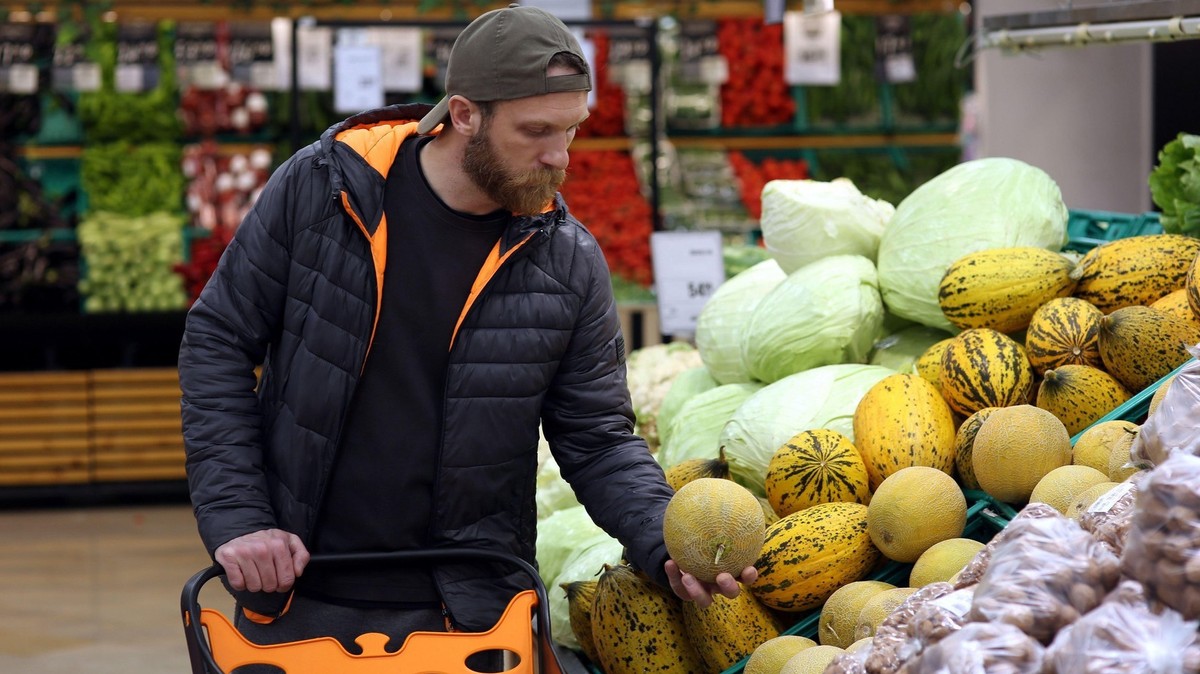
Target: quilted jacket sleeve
x,y
226,336
588,421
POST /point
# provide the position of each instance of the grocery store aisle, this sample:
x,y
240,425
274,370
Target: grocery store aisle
x,y
96,590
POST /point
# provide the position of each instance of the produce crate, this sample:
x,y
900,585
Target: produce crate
x,y
985,517
1136,408
1088,229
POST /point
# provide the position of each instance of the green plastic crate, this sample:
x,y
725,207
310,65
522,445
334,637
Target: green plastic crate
x,y
1088,229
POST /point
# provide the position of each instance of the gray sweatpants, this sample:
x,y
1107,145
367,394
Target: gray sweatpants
x,y
310,618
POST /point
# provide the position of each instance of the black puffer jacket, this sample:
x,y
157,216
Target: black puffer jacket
x,y
296,291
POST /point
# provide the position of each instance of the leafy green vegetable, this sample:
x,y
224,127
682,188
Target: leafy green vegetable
x,y
1175,185
721,326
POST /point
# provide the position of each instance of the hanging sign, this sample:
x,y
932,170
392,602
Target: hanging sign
x,y
688,269
894,49
813,48
400,49
700,58
197,55
71,70
357,78
18,59
315,62
252,55
629,59
137,68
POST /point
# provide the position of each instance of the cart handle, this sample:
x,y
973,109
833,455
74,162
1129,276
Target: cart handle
x,y
200,651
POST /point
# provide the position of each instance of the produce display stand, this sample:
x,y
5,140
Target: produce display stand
x,y
1136,408
1088,229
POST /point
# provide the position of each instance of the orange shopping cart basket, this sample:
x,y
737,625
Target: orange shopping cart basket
x,y
215,646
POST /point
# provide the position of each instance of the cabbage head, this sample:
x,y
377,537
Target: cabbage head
x,y
824,397
806,220
826,313
900,350
721,325
582,565
977,205
552,493
687,384
696,430
561,534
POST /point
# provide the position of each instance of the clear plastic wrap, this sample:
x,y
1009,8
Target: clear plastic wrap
x,y
1108,519
1163,547
973,572
982,648
941,617
891,646
1173,425
1043,576
1120,638
849,663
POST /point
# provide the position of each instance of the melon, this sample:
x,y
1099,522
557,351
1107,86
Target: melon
x,y
713,526
912,510
839,615
985,368
860,644
903,421
929,364
1095,446
964,440
772,654
942,561
1159,394
878,608
1062,485
1085,499
811,660
1015,448
1064,331
690,469
816,466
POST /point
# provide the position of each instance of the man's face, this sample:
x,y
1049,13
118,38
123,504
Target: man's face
x,y
519,155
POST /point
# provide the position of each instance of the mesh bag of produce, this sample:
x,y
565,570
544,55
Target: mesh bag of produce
x,y
973,572
1173,425
1045,574
1163,548
892,646
849,663
1120,638
982,648
940,618
1108,519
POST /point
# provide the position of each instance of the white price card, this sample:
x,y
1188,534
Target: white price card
x,y
130,78
23,78
813,48
358,78
86,76
315,47
402,53
688,269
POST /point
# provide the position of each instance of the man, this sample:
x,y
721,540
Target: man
x,y
419,300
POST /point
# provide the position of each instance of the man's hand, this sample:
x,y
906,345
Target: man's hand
x,y
264,561
689,588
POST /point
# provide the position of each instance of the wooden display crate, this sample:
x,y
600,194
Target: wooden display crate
x,y
44,428
136,429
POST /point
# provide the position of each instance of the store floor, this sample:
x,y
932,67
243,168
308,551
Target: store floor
x,y
96,590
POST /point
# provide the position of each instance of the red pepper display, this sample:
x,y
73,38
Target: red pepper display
x,y
753,177
764,99
603,192
608,116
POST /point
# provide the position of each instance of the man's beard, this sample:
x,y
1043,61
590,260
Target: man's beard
x,y
525,193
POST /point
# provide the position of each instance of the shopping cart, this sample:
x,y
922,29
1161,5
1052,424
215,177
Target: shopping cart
x,y
215,646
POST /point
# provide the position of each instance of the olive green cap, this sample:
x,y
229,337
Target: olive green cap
x,y
503,55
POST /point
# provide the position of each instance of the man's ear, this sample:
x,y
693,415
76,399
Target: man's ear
x,y
465,116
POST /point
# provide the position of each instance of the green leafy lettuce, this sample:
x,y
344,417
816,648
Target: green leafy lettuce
x,y
1175,185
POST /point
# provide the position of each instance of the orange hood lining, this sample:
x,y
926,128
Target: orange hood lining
x,y
377,143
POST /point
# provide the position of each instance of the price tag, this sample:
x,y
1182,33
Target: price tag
x,y
688,269
813,48
137,57
196,53
130,78
894,50
23,79
358,78
700,58
251,47
401,53
67,55
86,77
315,57
957,602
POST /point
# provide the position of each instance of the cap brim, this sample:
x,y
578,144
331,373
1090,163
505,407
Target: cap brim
x,y
436,116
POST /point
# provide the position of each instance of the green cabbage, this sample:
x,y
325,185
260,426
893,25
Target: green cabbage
x,y
583,564
687,384
825,313
552,493
806,220
977,205
696,430
1175,185
721,325
900,350
561,534
824,397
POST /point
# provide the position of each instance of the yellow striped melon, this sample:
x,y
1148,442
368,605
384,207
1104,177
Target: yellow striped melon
x,y
1135,271
1141,345
1064,331
690,469
903,421
964,440
1079,395
811,553
985,368
637,626
1000,288
728,630
1192,284
929,365
1177,305
816,466
581,597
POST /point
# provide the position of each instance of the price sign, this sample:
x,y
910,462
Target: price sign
x,y
252,54
813,45
700,58
894,50
401,52
358,78
688,269
18,69
315,47
197,53
69,58
137,57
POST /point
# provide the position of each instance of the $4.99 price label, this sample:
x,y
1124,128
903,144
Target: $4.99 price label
x,y
688,269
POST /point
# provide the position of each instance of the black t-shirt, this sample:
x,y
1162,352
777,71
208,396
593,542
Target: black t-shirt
x,y
380,494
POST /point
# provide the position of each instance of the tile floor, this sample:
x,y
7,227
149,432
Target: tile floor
x,y
96,590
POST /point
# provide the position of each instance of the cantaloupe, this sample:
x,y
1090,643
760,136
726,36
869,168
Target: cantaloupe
x,y
1159,394
816,466
860,644
1060,487
839,615
773,654
964,440
1096,445
913,509
878,608
811,660
713,526
1015,448
1088,497
943,560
